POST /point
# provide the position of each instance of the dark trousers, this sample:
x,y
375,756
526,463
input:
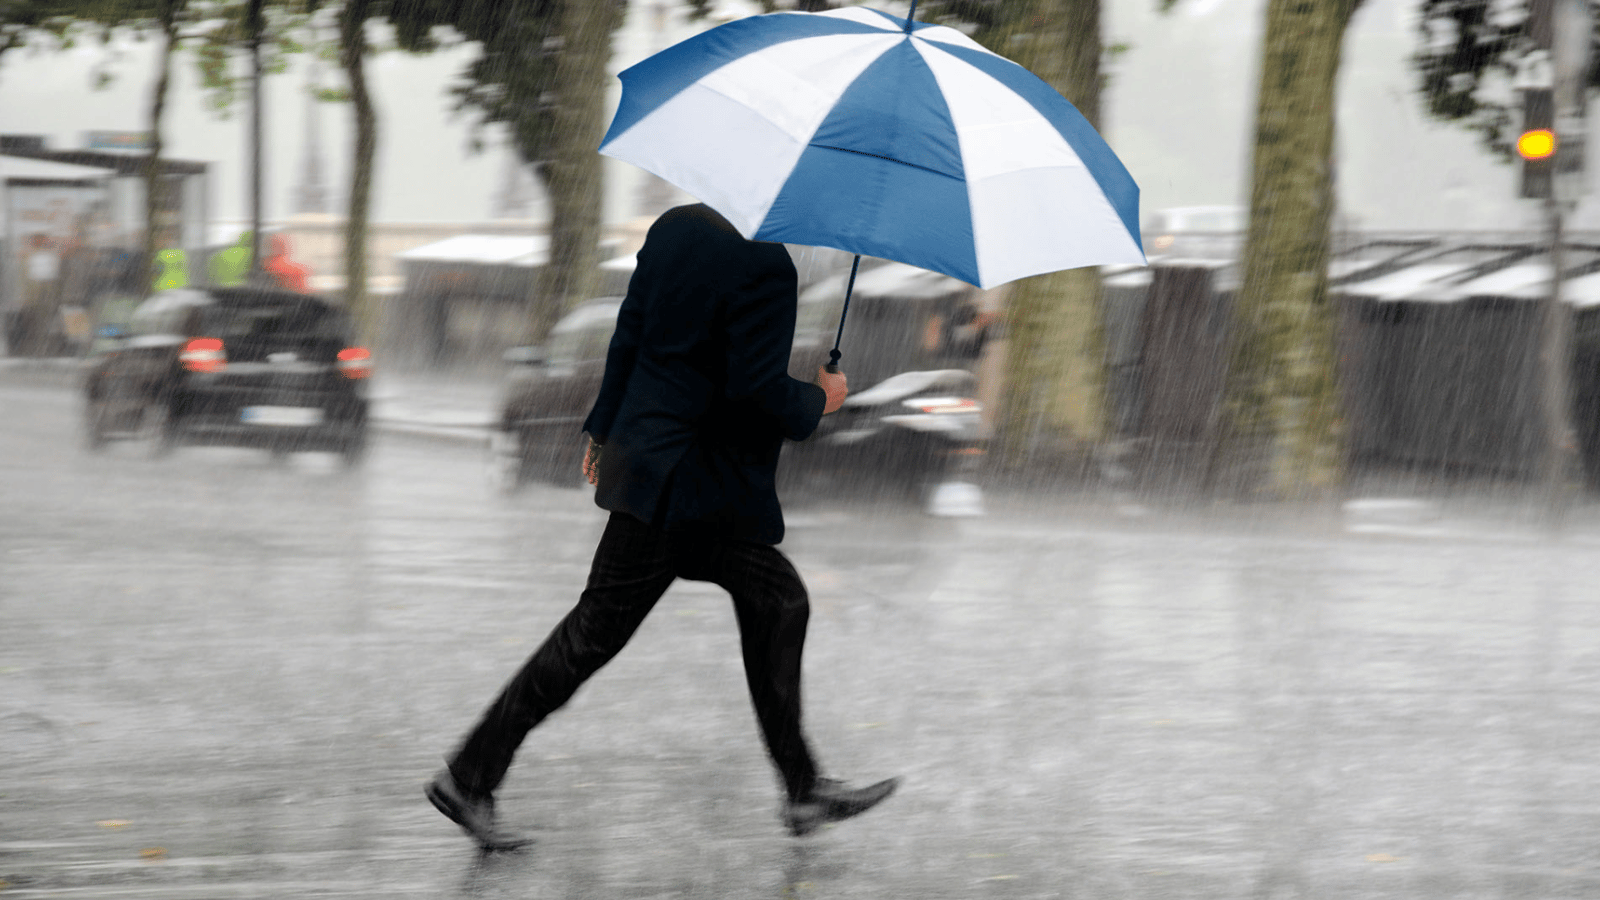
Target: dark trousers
x,y
633,566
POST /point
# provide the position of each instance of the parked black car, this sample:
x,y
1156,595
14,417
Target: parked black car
x,y
243,367
548,392
899,431
895,439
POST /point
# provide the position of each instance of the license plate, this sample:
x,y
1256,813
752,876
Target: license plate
x,y
299,416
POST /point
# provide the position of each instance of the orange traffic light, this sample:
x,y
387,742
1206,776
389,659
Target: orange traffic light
x,y
1536,143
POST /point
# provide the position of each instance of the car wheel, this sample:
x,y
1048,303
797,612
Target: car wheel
x,y
564,462
506,461
95,426
921,470
158,429
553,460
354,451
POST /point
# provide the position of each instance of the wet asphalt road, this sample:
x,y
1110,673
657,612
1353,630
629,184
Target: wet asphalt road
x,y
223,677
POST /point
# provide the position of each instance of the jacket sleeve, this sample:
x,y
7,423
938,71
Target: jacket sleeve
x,y
620,357
760,320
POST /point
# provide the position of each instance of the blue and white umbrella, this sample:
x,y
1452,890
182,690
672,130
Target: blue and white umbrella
x,y
880,136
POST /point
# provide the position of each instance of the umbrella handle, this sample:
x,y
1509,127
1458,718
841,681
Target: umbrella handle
x,y
849,288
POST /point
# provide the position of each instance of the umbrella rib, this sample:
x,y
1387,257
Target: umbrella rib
x,y
890,159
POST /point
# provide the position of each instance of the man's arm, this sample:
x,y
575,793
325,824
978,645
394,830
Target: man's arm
x,y
760,324
620,357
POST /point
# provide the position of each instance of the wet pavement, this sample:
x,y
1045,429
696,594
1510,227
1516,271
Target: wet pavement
x,y
222,676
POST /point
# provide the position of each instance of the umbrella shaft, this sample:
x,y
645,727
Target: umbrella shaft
x,y
833,355
911,16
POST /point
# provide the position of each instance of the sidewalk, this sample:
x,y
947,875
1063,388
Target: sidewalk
x,y
64,372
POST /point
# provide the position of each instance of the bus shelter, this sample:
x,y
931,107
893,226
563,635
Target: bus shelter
x,y
74,236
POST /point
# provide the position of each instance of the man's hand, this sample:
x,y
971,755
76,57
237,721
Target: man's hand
x,y
591,463
834,384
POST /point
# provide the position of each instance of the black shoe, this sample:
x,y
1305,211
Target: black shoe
x,y
475,815
833,801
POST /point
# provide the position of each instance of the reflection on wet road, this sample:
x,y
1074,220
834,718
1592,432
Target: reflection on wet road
x,y
222,676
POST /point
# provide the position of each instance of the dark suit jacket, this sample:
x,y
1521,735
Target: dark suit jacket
x,y
696,398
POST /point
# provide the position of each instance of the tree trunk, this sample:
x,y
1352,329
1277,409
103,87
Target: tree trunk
x,y
352,55
154,184
1055,409
1282,392
573,173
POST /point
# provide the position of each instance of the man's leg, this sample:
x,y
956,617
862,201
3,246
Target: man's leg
x,y
770,602
632,568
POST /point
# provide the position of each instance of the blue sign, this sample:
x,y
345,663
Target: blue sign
x,y
117,140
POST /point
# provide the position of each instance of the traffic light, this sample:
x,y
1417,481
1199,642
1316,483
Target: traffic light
x,y
1536,144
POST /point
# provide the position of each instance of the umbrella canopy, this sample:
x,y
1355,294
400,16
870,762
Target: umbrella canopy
x,y
865,132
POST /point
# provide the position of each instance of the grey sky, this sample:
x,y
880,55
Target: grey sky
x,y
1178,113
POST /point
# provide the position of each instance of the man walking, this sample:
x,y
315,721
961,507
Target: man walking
x,y
684,440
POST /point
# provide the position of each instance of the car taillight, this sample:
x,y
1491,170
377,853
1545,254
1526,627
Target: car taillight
x,y
942,404
355,362
204,355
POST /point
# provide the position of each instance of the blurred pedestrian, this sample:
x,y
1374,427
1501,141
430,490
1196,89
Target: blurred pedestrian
x,y
44,269
34,330
288,274
172,269
692,411
81,277
230,266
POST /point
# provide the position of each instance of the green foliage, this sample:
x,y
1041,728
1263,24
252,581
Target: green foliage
x,y
223,33
216,29
514,79
984,20
996,24
541,72
64,21
1469,52
992,23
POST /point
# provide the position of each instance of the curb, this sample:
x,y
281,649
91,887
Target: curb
x,y
464,434
51,371
41,362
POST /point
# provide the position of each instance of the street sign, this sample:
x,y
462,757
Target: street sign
x,y
117,140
